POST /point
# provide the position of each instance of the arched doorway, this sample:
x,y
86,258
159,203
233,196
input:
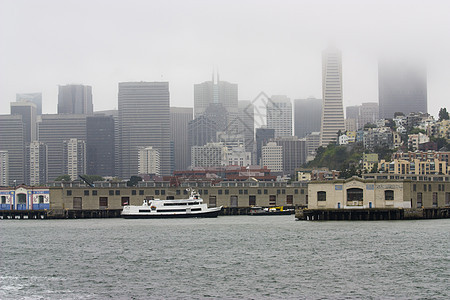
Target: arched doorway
x,y
355,197
21,201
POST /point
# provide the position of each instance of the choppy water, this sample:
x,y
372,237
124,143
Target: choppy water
x,y
230,257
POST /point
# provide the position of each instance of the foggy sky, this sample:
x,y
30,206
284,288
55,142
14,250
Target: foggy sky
x,y
270,46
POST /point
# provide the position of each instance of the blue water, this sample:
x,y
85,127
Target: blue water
x,y
232,257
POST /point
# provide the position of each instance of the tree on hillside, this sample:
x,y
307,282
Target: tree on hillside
x,y
443,114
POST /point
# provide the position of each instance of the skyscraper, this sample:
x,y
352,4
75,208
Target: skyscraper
x,y
402,87
36,156
246,124
279,115
4,168
262,137
53,130
75,99
35,98
294,152
12,139
144,120
28,112
307,116
179,124
332,107
215,91
100,145
149,162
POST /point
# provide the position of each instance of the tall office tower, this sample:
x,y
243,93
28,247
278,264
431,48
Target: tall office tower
x,y
218,113
402,87
209,155
201,131
272,157
368,113
144,120
37,163
28,112
4,168
246,124
74,158
100,145
352,117
53,130
307,116
35,98
279,115
114,113
12,139
149,162
294,153
332,107
179,135
262,137
216,91
75,99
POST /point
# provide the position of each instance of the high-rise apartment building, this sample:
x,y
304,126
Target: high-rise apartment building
x,y
35,98
4,168
144,120
272,157
75,99
209,155
74,158
12,139
332,107
149,162
53,130
28,112
279,115
307,116
312,143
37,157
402,87
179,135
368,114
100,145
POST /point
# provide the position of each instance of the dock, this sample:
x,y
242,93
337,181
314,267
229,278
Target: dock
x,y
371,214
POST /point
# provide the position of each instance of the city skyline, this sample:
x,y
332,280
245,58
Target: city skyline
x,y
279,55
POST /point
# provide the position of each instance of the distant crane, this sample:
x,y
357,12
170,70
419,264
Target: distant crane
x,y
87,181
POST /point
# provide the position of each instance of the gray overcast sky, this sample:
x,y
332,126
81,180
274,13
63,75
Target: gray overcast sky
x,y
270,46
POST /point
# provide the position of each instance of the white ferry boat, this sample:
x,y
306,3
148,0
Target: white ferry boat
x,y
179,208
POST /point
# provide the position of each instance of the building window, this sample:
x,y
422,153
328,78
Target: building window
x,y
141,192
125,201
163,192
156,192
296,191
185,192
212,201
117,192
429,187
265,192
419,200
321,196
178,192
69,193
302,191
245,192
205,192
240,192
435,199
289,199
424,187
414,187
447,199
259,192
251,200
227,192
278,192
272,200
111,192
389,195
103,202
41,199
219,192
133,192
3,199
94,193
86,192
283,191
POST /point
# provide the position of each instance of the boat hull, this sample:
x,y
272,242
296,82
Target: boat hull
x,y
206,214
